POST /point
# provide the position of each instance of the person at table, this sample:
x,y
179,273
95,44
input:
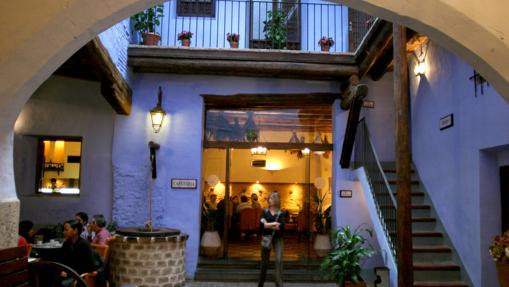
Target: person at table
x,y
76,251
98,226
82,217
26,233
254,201
243,204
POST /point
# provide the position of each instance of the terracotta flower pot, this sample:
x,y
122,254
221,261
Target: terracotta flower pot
x,y
325,48
358,284
186,42
503,273
151,38
234,44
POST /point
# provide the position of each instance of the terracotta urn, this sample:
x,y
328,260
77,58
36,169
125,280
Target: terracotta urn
x,y
151,38
325,48
186,42
210,243
322,245
503,273
234,44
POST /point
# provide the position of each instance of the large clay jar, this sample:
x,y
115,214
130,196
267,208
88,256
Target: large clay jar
x,y
322,245
210,243
151,39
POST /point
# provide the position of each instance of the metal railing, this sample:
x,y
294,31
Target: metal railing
x,y
365,156
305,24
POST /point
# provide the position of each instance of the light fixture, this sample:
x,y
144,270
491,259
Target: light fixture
x,y
259,150
420,68
157,113
306,151
420,64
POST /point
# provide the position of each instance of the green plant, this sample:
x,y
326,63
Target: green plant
x,y
275,29
185,35
112,227
251,135
322,217
232,37
147,20
348,248
499,249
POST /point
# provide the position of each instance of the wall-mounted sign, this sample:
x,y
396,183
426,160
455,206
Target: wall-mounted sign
x,y
368,104
345,193
446,122
180,183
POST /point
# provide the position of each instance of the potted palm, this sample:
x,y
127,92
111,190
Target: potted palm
x,y
185,38
326,43
322,219
210,240
275,29
145,22
343,263
499,250
233,39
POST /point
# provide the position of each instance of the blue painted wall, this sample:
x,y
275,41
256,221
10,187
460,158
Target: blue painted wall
x,y
455,164
180,155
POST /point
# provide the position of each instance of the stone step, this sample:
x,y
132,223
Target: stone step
x,y
430,271
440,284
251,275
427,238
432,254
423,223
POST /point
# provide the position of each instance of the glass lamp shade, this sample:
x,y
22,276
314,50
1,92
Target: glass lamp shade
x,y
260,150
420,68
157,115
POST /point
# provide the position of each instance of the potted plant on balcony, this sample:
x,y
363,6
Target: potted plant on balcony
x,y
145,22
499,250
343,263
233,39
185,38
322,218
275,29
326,43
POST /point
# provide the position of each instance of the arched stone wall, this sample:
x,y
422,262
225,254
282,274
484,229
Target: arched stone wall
x,y
39,35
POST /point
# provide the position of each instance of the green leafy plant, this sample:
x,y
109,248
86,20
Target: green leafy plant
x,y
112,227
499,249
275,29
322,217
348,248
147,20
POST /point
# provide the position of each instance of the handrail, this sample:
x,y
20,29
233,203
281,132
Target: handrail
x,y
366,156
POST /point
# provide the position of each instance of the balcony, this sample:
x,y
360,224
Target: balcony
x,y
304,23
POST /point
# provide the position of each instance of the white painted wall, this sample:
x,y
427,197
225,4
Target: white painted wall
x,y
454,164
65,107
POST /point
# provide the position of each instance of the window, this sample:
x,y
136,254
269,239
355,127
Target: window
x,y
197,8
58,165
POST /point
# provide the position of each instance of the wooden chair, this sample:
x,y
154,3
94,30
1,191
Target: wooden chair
x,y
247,216
14,267
90,278
103,250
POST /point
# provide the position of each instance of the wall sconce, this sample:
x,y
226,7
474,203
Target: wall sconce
x,y
306,151
260,150
420,65
157,113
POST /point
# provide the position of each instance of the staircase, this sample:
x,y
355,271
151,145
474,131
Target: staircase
x,y
434,258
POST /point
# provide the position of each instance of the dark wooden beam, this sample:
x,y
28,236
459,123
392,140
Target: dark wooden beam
x,y
382,65
351,125
403,158
350,92
374,46
269,101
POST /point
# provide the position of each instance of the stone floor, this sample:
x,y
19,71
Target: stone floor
x,y
252,284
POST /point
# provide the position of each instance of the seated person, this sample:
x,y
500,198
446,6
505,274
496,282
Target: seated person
x,y
243,204
76,251
254,201
82,217
26,233
98,226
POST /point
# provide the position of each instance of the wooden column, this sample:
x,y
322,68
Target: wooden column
x,y
403,189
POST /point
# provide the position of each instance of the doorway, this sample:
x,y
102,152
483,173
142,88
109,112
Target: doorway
x,y
504,196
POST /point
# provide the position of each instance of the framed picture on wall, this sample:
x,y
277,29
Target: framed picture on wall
x,y
446,122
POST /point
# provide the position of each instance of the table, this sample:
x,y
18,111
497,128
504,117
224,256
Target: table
x,y
49,251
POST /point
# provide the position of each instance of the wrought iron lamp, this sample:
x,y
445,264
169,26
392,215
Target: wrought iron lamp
x,y
157,113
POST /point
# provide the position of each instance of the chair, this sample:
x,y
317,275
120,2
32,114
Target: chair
x,y
247,217
103,250
14,267
90,278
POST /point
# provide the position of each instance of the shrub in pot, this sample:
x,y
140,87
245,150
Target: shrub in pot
x,y
146,22
322,219
499,250
343,264
210,240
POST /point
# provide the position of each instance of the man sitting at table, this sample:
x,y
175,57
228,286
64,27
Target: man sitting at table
x,y
243,204
76,251
98,226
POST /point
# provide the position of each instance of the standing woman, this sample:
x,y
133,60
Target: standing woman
x,y
273,222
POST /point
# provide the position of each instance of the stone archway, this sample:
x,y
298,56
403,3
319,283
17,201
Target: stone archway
x,y
39,35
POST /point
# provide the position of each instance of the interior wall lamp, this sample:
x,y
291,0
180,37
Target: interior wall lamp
x,y
420,65
306,151
157,113
260,150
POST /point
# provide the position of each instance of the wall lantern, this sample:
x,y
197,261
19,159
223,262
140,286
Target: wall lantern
x,y
306,151
420,65
420,68
157,113
260,150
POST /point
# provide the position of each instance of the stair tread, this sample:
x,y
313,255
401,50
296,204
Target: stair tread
x,y
414,206
393,170
423,234
444,266
394,181
432,248
423,219
440,284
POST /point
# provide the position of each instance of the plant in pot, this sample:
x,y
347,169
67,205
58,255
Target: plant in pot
x,y
210,240
233,39
322,220
326,43
275,29
499,250
145,22
185,38
342,264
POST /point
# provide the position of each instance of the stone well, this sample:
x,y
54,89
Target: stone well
x,y
147,259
